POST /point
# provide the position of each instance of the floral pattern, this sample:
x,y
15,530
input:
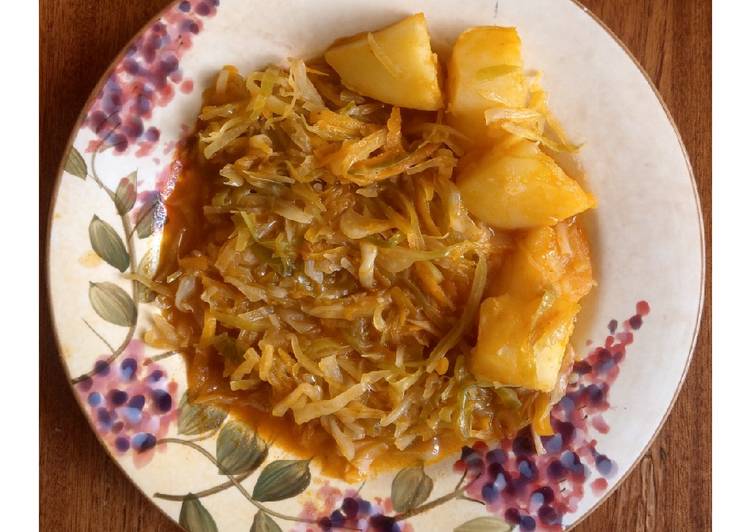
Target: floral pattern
x,y
131,402
146,79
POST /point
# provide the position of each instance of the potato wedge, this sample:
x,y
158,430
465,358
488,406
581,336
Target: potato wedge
x,y
522,342
395,65
520,187
485,70
548,258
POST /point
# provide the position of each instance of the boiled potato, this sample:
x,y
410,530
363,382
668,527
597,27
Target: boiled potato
x,y
576,281
394,65
522,342
485,70
548,258
520,187
539,286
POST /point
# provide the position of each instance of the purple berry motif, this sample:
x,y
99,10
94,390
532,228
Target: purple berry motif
x,y
152,134
203,9
95,399
527,523
556,470
384,523
117,397
546,493
146,77
101,368
85,384
364,507
122,444
553,444
512,516
604,465
467,452
527,469
494,469
132,415
162,400
104,418
337,518
128,369
523,446
143,441
496,456
490,492
350,507
582,367
548,516
137,402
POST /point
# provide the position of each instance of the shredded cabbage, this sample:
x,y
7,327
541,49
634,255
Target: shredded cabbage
x,y
332,273
383,57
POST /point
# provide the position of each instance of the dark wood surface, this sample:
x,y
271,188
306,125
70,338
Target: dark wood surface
x,y
82,490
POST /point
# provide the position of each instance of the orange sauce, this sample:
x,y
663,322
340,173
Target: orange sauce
x,y
183,229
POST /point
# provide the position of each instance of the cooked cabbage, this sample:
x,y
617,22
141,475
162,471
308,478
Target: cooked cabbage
x,y
330,269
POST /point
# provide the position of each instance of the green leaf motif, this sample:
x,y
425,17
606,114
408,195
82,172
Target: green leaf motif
x,y
147,268
194,517
410,488
146,218
75,165
485,524
198,418
113,304
263,523
282,479
107,244
125,194
239,450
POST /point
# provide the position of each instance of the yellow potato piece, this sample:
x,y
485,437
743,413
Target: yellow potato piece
x,y
522,342
485,70
577,280
548,258
534,265
395,65
542,281
520,187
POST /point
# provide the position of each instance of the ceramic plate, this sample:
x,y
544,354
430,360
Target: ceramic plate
x,y
638,328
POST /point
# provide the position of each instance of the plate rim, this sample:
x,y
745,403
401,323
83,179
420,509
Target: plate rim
x,y
686,158
702,277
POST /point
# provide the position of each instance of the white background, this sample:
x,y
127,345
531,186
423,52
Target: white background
x,y
19,268
731,369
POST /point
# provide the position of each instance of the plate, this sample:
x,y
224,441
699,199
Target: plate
x,y
637,330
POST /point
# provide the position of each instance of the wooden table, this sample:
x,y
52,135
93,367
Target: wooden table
x,y
82,490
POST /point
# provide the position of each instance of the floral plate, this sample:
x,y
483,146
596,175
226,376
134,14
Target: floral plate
x,y
210,473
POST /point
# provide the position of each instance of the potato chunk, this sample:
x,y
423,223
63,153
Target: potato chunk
x,y
522,342
485,70
520,187
523,333
548,258
395,65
